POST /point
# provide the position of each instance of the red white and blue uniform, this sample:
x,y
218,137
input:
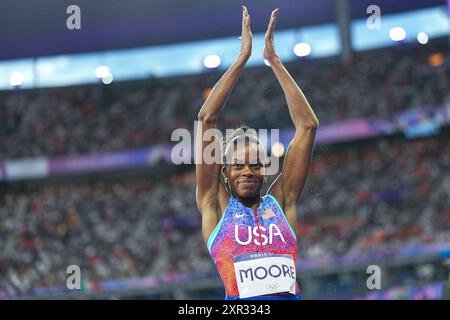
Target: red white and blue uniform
x,y
255,251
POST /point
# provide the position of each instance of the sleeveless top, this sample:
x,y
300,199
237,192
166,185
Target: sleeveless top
x,y
255,250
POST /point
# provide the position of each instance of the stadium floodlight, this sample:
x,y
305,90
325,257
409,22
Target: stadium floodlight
x,y
107,79
302,49
102,72
212,61
422,37
16,79
278,149
397,34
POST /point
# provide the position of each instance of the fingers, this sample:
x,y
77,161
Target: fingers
x,y
245,18
272,21
269,48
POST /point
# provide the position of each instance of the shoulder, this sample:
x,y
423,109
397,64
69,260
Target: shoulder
x,y
288,208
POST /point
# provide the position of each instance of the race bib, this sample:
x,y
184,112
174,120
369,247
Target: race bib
x,y
264,273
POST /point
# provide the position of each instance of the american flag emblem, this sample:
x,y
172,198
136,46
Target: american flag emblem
x,y
268,213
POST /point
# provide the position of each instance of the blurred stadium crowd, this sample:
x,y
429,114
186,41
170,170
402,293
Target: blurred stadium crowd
x,y
385,193
59,121
381,196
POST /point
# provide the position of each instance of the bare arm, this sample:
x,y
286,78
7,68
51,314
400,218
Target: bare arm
x,y
208,174
288,187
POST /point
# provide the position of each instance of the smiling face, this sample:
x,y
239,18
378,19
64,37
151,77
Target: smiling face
x,y
244,168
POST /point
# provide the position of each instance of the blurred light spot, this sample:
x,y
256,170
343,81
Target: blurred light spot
x,y
107,79
397,34
278,149
102,71
16,79
422,37
436,59
212,61
302,49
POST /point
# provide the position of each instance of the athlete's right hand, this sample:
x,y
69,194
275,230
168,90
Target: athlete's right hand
x,y
246,35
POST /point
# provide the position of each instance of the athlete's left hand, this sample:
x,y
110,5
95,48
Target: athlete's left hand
x,y
269,48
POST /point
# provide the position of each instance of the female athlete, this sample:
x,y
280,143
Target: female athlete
x,y
251,237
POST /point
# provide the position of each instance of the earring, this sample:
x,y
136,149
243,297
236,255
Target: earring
x,y
227,184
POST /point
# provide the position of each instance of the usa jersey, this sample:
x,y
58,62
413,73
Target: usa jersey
x,y
255,250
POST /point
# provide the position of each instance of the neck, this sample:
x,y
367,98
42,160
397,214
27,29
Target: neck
x,y
250,202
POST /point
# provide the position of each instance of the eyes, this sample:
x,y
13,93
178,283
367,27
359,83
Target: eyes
x,y
239,166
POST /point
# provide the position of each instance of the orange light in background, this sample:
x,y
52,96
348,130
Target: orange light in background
x,y
206,92
436,59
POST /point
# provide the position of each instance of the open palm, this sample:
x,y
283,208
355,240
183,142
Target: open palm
x,y
269,47
246,35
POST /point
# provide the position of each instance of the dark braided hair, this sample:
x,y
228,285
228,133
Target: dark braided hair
x,y
243,132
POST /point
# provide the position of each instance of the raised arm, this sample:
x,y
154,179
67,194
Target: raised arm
x,y
288,187
208,174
